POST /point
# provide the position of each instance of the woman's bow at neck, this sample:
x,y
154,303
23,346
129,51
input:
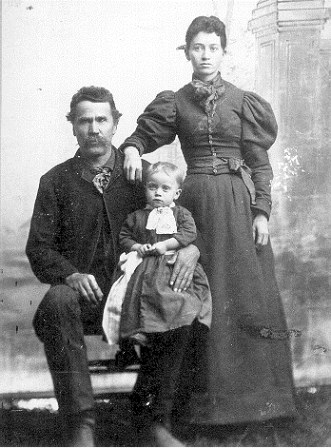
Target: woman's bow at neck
x,y
206,93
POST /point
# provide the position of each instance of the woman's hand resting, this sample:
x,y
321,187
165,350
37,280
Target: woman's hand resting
x,y
260,230
132,164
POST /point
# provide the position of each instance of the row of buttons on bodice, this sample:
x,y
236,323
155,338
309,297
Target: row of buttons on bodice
x,y
210,116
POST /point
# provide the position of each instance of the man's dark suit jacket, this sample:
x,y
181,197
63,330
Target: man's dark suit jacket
x,y
68,216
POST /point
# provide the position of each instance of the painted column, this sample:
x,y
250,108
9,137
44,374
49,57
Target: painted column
x,y
293,73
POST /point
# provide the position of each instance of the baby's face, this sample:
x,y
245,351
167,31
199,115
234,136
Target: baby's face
x,y
161,189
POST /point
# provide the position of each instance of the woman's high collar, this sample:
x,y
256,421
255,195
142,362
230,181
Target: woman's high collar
x,y
216,80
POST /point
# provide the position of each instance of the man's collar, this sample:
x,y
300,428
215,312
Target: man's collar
x,y
87,173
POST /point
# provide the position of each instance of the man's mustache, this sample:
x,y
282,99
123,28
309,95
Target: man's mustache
x,y
95,141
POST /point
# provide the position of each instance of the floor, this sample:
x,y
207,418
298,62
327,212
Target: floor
x,y
38,427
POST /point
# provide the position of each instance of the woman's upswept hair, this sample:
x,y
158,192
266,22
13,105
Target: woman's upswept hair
x,y
95,95
169,168
206,24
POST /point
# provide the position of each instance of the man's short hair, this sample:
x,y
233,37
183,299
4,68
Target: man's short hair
x,y
96,95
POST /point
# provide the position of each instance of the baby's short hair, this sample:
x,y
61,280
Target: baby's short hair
x,y
169,168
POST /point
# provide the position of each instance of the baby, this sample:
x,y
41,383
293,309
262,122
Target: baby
x,y
154,315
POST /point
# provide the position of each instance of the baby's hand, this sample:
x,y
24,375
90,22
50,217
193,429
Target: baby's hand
x,y
147,249
160,248
142,249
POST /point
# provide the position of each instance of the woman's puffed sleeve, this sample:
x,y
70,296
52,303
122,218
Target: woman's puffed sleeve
x,y
259,132
156,126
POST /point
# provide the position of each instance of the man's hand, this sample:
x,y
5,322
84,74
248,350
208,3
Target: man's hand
x,y
87,287
132,164
260,230
184,261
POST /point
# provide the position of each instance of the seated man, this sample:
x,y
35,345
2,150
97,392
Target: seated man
x,y
79,210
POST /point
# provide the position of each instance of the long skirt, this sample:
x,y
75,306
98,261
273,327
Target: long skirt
x,y
241,370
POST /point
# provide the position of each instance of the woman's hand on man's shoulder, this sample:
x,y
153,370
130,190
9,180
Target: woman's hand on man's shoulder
x,y
132,164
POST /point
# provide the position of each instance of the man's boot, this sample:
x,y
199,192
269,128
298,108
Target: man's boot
x,y
80,429
161,436
153,433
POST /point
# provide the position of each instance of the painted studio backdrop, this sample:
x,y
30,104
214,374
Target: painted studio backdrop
x,y
279,49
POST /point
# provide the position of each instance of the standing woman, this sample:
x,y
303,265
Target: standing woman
x,y
245,370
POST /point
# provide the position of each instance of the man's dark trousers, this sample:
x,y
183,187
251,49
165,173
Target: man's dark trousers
x,y
60,322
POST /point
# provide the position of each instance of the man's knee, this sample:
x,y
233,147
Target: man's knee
x,y
59,303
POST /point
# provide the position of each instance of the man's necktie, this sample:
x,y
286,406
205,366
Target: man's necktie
x,y
101,179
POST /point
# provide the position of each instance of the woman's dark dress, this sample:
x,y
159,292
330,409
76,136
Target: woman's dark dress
x,y
245,366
